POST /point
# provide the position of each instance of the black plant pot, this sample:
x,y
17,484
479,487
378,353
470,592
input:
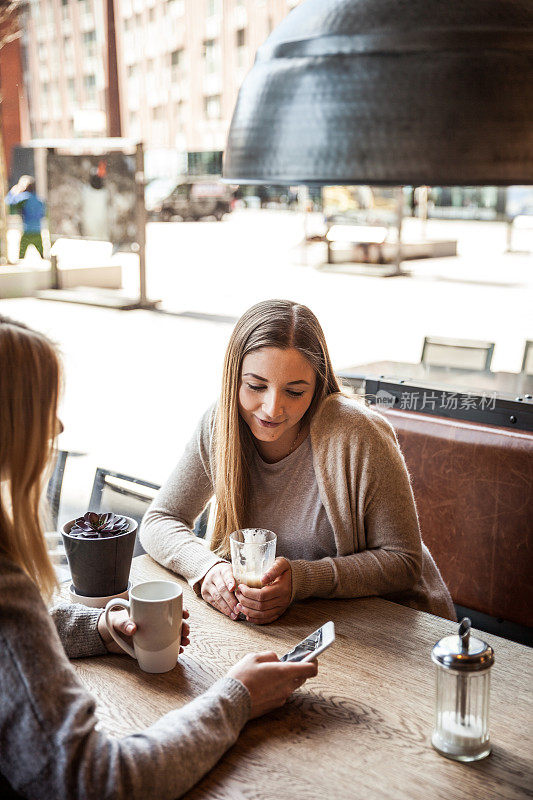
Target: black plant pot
x,y
100,567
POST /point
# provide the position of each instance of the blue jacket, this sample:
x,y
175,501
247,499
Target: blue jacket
x,y
31,208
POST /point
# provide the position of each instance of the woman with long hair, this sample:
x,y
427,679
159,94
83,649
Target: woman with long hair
x,y
284,449
50,744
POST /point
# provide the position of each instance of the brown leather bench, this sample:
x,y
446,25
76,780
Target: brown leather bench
x,y
473,486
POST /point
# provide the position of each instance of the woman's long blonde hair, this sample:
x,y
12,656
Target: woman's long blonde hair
x,y
30,375
271,323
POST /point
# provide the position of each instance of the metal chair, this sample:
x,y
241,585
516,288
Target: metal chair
x,y
53,491
56,551
527,361
124,494
468,354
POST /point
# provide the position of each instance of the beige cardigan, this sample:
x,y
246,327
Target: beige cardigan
x,y
365,489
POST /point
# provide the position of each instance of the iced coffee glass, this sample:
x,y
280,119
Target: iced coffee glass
x,y
253,551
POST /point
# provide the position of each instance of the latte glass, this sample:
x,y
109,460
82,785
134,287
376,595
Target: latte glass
x,y
253,551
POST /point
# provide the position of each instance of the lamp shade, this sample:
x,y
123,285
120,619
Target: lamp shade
x,y
389,92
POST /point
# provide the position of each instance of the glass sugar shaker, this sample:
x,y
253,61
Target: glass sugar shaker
x,y
462,702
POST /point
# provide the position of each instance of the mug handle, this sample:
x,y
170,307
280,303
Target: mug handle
x,y
109,607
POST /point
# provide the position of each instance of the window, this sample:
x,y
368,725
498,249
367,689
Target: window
x,y
152,80
177,7
55,98
211,56
181,191
176,65
89,42
212,106
68,49
158,113
213,8
204,163
71,90
151,14
240,38
89,84
178,115
134,127
132,70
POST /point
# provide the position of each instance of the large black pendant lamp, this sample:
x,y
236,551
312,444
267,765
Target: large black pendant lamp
x,y
389,92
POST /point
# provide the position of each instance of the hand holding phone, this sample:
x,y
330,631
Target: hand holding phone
x,y
311,647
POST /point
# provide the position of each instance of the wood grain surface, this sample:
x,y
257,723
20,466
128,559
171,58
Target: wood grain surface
x,y
360,729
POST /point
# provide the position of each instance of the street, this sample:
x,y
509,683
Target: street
x,y
137,382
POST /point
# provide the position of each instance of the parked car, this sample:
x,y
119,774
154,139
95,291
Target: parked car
x,y
189,199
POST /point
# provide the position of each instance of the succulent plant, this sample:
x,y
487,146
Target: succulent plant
x,y
99,526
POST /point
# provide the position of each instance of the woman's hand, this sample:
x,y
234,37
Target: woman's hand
x,y
125,627
269,681
267,604
218,588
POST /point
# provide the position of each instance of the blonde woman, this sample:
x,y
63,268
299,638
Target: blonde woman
x,y
285,450
50,744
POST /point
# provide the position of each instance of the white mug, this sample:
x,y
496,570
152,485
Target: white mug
x,y
156,607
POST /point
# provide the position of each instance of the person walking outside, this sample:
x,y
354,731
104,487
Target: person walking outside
x,y
22,199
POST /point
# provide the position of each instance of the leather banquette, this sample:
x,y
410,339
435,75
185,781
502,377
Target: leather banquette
x,y
473,486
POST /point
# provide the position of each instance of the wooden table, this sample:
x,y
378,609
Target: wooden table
x,y
360,729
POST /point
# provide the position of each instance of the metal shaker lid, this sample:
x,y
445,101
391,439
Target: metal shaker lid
x,y
463,652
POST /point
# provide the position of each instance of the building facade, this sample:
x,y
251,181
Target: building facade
x,y
180,66
64,67
13,106
182,63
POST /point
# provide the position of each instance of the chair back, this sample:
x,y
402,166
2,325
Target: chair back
x,y
53,490
469,354
527,361
122,494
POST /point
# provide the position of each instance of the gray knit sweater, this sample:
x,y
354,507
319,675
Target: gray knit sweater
x,y
365,489
50,748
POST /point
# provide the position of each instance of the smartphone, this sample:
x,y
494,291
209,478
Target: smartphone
x,y
316,643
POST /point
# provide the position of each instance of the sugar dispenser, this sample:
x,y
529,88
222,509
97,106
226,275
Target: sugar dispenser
x,y
462,701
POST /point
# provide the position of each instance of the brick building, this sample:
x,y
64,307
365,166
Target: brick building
x,y
180,65
14,105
